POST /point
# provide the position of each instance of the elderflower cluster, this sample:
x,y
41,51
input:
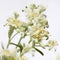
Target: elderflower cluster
x,y
36,16
36,28
39,33
52,44
14,22
6,54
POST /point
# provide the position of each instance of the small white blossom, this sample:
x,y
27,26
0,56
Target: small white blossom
x,y
14,22
52,43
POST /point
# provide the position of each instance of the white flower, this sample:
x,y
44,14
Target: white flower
x,y
26,49
32,11
14,22
6,52
39,33
31,14
9,54
52,43
42,8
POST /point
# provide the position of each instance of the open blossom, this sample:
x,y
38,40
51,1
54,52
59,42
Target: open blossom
x,y
14,22
35,30
39,33
6,53
31,14
33,11
26,49
52,43
42,8
35,15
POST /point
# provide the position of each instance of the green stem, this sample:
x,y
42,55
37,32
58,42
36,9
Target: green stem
x,y
19,40
14,35
8,43
20,47
15,44
11,39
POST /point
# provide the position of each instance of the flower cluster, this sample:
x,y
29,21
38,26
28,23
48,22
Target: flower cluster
x,y
36,28
36,16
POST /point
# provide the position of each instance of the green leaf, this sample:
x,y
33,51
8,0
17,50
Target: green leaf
x,y
39,51
16,15
11,29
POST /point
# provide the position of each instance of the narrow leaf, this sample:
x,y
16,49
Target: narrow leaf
x,y
16,15
11,29
39,51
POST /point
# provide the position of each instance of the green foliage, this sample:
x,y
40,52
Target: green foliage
x,y
16,15
35,28
10,32
39,51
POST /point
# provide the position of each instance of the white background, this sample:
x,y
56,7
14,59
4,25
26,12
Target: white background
x,y
8,7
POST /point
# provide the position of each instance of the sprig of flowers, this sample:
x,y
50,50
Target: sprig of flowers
x,y
35,28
